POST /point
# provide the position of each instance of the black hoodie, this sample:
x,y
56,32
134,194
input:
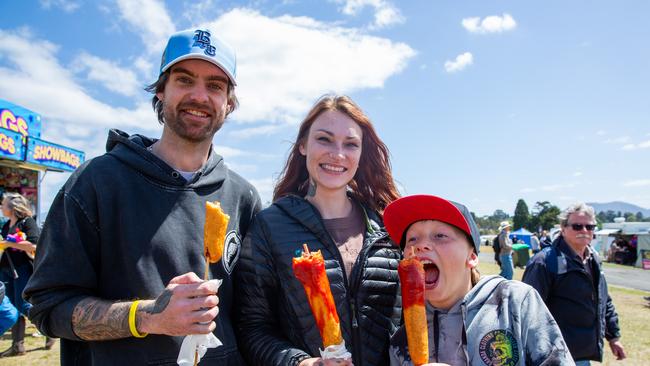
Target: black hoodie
x,y
121,228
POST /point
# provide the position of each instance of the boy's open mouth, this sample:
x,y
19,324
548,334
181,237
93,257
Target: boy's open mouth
x,y
431,273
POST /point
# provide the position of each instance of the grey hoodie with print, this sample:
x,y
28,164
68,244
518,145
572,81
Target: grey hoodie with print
x,y
505,323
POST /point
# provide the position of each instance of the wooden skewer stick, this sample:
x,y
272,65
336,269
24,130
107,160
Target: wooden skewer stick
x,y
206,277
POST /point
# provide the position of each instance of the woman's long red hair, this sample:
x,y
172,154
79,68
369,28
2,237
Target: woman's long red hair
x,y
373,183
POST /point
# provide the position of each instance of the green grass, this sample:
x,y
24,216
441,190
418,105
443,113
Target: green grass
x,y
633,311
35,346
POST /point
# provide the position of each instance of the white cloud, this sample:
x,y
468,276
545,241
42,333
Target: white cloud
x,y
556,187
641,145
577,174
490,24
286,63
385,13
145,66
637,183
527,190
66,6
264,187
617,140
109,74
255,131
601,133
462,61
150,20
231,152
37,81
200,11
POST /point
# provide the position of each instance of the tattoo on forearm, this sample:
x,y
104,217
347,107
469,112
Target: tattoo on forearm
x,y
98,320
160,304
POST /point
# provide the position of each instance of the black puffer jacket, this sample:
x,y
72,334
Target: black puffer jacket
x,y
275,324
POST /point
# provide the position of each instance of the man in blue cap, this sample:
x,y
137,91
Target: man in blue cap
x,y
115,273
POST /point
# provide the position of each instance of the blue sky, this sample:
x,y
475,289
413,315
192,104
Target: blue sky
x,y
482,102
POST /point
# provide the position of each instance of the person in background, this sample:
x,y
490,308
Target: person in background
x,y
534,244
16,264
116,269
8,312
545,240
505,253
336,181
568,275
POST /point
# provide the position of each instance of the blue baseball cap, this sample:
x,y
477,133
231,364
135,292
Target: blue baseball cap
x,y
199,44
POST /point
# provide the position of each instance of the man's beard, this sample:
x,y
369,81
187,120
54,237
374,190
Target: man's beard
x,y
181,128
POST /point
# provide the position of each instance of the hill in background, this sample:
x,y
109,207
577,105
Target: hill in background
x,y
619,206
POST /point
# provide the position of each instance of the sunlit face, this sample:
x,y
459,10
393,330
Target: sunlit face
x,y
447,257
6,211
581,238
332,150
195,100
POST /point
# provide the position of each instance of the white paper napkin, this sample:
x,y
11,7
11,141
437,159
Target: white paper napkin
x,y
197,343
335,351
194,342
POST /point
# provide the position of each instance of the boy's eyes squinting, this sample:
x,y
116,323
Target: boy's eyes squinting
x,y
432,236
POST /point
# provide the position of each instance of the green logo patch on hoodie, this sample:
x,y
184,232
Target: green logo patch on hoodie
x,y
499,348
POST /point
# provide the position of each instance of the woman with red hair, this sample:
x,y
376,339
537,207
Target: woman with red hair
x,y
330,195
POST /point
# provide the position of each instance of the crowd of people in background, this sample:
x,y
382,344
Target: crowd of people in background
x,y
623,251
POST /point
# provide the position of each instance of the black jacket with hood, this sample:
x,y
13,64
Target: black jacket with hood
x,y
581,306
275,323
123,225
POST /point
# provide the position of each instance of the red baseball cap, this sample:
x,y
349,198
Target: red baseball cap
x,y
401,213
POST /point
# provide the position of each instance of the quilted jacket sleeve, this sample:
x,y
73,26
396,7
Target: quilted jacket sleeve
x,y
259,332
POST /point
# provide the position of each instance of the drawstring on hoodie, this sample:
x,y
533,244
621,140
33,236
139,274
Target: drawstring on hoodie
x,y
436,333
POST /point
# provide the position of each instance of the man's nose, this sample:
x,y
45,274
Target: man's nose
x,y
199,94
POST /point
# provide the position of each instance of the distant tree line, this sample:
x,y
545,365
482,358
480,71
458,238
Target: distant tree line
x,y
542,217
609,215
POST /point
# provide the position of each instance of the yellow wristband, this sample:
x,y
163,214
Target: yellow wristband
x,y
132,327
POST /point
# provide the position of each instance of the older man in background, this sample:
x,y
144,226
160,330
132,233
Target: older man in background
x,y
569,278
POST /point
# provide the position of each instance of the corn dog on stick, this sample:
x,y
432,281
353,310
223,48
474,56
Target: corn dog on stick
x,y
214,236
411,276
214,233
310,271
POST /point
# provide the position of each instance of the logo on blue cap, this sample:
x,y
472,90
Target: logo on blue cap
x,y
202,40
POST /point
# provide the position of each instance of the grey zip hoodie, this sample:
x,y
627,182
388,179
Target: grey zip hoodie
x,y
121,228
505,323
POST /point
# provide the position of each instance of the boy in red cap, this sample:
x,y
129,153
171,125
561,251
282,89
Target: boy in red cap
x,y
471,319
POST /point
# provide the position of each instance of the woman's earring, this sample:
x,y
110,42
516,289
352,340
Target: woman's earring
x,y
311,192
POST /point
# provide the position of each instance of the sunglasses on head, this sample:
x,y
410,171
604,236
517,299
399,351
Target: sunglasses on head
x,y
578,227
